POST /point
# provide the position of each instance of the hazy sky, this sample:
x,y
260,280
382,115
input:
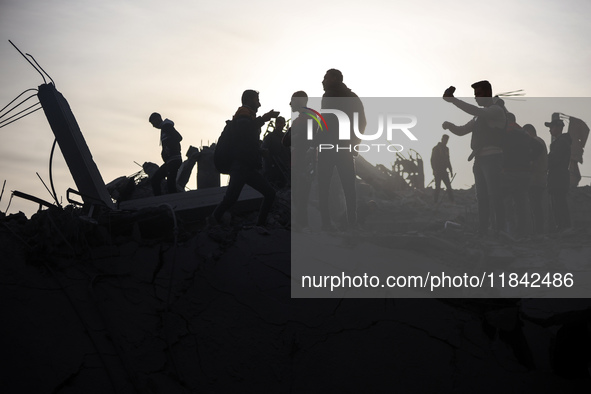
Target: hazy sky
x,y
117,61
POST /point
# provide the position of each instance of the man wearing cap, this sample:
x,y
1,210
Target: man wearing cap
x,y
558,173
487,128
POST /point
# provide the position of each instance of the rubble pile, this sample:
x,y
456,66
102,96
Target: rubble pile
x,y
147,302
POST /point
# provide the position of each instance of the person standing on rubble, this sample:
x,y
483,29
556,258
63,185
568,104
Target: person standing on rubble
x,y
303,161
338,96
537,184
558,172
487,128
519,151
170,140
276,163
247,161
440,163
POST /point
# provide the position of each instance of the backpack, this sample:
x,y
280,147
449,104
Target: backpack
x,y
223,155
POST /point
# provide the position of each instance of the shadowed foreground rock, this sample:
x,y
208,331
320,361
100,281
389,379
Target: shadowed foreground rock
x,y
128,305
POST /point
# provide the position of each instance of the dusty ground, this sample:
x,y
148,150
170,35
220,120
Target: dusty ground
x,y
129,305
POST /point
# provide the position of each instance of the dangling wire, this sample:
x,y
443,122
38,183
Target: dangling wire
x,y
19,51
16,98
6,122
45,72
51,173
18,113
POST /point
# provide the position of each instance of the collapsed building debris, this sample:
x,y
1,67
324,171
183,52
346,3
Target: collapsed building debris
x,y
411,169
142,297
150,303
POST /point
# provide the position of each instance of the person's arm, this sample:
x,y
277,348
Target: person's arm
x,y
459,130
471,109
448,162
261,120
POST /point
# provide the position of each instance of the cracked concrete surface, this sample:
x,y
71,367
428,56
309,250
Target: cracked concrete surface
x,y
97,309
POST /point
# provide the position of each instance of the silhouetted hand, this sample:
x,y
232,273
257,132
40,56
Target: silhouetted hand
x,y
269,115
449,93
446,125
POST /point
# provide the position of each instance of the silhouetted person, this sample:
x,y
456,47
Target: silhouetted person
x,y
440,163
487,128
207,174
558,172
519,150
303,161
247,161
537,184
170,140
276,162
579,133
184,172
338,96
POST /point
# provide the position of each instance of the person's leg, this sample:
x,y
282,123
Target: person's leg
x,y
508,185
537,210
492,170
437,187
325,168
482,197
300,192
255,180
521,203
447,184
346,170
156,179
235,185
562,212
172,171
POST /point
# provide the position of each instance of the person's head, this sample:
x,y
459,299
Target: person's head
x,y
155,119
483,93
332,78
250,98
556,125
444,139
298,100
530,129
279,123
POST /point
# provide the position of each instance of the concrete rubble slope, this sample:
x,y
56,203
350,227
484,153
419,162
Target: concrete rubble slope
x,y
128,305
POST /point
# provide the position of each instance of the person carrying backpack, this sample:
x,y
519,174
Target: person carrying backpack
x,y
246,160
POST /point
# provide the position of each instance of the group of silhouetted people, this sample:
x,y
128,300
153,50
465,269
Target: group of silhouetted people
x,y
271,165
512,166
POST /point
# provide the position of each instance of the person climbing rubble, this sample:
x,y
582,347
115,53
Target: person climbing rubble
x,y
170,140
246,162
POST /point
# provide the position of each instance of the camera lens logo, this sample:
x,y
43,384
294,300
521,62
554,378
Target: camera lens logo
x,y
317,117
